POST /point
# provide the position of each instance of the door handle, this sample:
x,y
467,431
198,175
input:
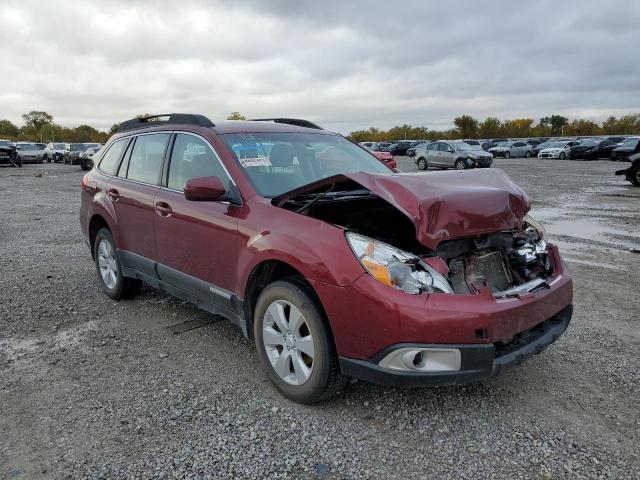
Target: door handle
x,y
113,194
163,209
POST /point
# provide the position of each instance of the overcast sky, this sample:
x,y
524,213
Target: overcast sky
x,y
344,64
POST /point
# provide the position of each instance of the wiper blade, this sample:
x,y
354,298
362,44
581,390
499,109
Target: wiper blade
x,y
317,197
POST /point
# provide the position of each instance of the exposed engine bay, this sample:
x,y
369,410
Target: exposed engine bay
x,y
384,239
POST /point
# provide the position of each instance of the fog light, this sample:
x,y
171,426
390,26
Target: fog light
x,y
423,359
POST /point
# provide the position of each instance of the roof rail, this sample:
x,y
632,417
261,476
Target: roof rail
x,y
298,122
173,118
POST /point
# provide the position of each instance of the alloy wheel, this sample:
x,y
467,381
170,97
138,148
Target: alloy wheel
x,y
107,263
460,165
288,342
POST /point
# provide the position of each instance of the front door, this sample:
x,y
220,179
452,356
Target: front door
x,y
197,241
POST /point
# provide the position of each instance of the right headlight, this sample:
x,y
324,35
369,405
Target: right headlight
x,y
396,268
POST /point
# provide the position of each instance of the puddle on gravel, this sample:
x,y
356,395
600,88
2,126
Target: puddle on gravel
x,y
579,234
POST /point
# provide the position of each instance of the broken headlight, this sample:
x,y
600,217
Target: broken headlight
x,y
396,268
528,223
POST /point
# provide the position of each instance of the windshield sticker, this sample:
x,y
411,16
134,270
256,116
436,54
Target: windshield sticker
x,y
255,162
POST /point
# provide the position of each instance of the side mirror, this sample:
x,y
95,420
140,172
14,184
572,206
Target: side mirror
x,y
450,150
204,189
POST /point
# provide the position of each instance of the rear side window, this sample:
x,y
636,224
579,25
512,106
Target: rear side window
x,y
146,158
443,147
192,157
110,159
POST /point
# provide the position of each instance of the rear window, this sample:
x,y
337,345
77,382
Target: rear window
x,y
146,158
110,159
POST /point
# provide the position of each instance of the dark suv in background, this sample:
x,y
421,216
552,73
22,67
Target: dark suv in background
x,y
333,263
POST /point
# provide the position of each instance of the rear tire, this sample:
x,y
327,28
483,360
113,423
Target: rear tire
x,y
634,175
289,324
109,268
507,154
422,164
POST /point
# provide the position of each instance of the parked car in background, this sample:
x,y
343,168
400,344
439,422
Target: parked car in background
x,y
366,144
592,149
8,154
384,157
534,142
72,152
411,151
86,157
30,152
624,151
633,172
54,152
616,139
511,149
451,154
400,148
559,150
381,146
334,269
492,143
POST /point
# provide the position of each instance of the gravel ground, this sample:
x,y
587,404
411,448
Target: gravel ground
x,y
91,388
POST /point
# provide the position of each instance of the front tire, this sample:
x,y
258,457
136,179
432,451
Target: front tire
x,y
109,268
294,343
460,164
422,164
507,154
527,154
561,156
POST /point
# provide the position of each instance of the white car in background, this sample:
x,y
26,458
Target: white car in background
x,y
557,150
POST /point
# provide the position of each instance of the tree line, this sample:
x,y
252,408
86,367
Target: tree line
x,y
465,126
40,126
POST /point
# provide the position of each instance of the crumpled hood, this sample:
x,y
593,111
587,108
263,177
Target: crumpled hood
x,y
452,204
444,205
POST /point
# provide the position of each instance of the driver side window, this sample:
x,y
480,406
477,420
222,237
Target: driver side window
x,y
192,157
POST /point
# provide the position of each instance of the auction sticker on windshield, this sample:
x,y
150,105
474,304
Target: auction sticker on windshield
x,y
255,162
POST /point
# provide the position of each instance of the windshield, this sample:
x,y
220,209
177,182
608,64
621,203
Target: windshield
x,y
279,162
504,144
58,146
632,142
588,143
78,147
462,147
27,146
556,145
4,143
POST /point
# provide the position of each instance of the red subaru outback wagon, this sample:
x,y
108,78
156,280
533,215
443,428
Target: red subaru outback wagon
x,y
335,264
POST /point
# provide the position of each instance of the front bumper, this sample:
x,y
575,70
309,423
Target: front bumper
x,y
478,361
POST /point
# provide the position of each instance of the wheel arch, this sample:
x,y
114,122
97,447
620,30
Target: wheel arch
x,y
267,272
97,222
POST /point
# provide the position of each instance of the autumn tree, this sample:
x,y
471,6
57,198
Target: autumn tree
x,y
236,116
466,126
8,129
489,128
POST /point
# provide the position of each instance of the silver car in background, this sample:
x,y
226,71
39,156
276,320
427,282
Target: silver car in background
x,y
451,154
30,152
54,152
512,149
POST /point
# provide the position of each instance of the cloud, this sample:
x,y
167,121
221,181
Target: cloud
x,y
345,65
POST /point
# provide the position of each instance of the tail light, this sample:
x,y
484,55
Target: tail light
x,y
84,182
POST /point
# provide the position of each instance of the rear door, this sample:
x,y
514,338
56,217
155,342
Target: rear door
x,y
197,241
445,155
132,193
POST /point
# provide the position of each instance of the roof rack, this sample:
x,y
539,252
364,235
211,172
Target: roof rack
x,y
173,118
298,122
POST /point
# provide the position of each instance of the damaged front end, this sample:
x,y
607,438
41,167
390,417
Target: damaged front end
x,y
436,233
